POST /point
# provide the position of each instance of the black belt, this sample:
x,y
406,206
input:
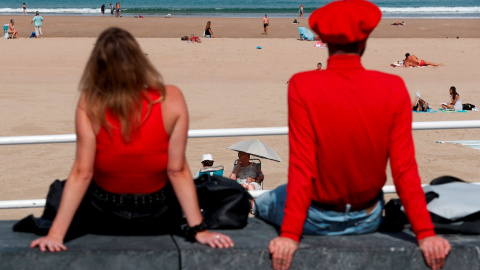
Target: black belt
x,y
343,207
128,199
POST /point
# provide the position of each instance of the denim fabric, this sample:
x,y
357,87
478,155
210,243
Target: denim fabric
x,y
269,207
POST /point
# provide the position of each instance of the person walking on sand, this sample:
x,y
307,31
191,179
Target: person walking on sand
x,y
24,7
328,192
413,61
112,9
266,22
300,15
102,9
118,9
37,22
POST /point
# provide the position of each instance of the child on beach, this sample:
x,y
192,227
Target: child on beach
x,y
37,20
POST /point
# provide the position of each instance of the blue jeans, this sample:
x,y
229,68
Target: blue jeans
x,y
269,207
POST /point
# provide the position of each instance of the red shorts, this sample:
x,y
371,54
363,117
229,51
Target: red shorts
x,y
422,63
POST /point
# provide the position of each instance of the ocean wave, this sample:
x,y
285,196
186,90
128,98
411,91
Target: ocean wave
x,y
431,9
53,10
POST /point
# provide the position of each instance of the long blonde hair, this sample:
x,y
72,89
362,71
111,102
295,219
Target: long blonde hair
x,y
209,23
116,78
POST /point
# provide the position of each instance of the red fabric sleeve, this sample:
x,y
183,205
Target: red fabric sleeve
x,y
302,167
404,166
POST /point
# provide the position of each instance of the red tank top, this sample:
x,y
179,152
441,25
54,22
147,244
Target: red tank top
x,y
139,166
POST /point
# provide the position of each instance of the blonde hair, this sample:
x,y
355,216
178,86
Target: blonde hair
x,y
116,78
209,23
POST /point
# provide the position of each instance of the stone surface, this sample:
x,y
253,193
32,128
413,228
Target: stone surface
x,y
88,252
370,251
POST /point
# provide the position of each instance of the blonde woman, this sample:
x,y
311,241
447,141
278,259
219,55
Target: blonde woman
x,y
130,175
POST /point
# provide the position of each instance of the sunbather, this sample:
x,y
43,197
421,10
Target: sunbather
x,y
413,61
419,104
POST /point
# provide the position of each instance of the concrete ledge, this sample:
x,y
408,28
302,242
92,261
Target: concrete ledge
x,y
371,251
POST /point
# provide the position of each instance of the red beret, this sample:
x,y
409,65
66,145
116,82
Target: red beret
x,y
345,21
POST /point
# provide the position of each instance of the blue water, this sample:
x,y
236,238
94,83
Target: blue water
x,y
242,8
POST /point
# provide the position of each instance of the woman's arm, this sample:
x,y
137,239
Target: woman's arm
x,y
233,175
211,33
76,185
174,111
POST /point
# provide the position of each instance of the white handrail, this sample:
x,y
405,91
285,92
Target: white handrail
x,y
231,132
207,133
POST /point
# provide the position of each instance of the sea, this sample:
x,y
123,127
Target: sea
x,y
435,9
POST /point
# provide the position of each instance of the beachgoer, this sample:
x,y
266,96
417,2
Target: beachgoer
x,y
455,100
207,162
102,9
319,66
413,61
266,22
118,9
208,30
246,173
130,175
300,15
399,23
37,21
342,193
24,7
419,104
11,29
194,39
112,9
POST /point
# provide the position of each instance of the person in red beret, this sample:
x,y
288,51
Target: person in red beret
x,y
338,156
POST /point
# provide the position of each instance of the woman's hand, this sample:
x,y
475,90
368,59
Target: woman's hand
x,y
51,243
214,240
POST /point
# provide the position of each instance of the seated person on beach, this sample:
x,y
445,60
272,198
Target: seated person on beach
x,y
11,29
413,61
208,30
419,105
399,23
455,100
194,39
207,162
330,193
248,174
130,175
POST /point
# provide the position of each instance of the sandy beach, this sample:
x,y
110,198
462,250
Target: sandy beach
x,y
227,83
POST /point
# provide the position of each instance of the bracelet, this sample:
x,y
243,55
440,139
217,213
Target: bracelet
x,y
191,232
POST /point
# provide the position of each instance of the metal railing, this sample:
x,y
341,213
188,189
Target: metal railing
x,y
208,133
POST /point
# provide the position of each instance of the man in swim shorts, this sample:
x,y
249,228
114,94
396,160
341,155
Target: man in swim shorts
x,y
265,24
413,61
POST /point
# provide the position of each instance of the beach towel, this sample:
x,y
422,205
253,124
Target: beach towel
x,y
451,110
428,111
305,33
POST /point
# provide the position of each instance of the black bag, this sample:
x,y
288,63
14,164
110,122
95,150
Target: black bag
x,y
224,203
468,106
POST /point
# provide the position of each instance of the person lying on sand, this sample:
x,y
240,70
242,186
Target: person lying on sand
x,y
413,61
399,23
